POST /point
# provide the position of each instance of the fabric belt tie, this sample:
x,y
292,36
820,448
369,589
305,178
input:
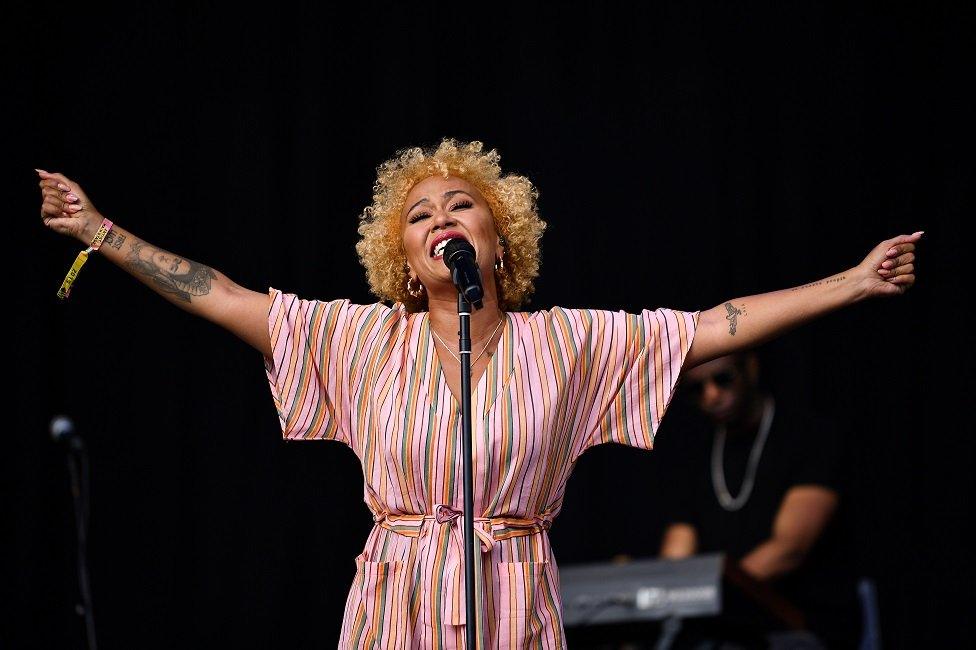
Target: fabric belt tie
x,y
487,529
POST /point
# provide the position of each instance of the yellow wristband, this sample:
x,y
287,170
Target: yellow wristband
x,y
79,262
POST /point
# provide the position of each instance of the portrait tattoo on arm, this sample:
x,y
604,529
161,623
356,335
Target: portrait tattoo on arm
x,y
732,315
176,275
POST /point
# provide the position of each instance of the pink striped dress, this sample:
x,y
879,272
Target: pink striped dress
x,y
559,382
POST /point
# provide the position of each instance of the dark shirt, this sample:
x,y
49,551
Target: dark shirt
x,y
801,449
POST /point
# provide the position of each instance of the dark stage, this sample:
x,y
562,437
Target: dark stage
x,y
744,147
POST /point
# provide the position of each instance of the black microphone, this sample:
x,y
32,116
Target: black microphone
x,y
459,257
63,431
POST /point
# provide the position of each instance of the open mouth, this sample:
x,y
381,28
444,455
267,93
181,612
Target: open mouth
x,y
440,243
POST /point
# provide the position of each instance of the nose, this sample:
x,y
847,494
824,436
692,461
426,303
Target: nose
x,y
710,392
442,219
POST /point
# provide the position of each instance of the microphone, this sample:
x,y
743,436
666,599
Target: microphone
x,y
63,430
459,257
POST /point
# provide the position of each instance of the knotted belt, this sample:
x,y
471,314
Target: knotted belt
x,y
487,529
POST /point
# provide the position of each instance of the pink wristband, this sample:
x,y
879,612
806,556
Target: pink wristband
x,y
100,235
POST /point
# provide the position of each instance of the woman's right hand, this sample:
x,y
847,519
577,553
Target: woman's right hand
x,y
65,208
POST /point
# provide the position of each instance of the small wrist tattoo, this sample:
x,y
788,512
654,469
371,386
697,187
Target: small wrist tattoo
x,y
115,240
820,282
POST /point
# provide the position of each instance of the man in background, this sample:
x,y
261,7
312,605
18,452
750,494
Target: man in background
x,y
763,485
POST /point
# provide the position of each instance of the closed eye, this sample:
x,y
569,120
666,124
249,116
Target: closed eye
x,y
463,204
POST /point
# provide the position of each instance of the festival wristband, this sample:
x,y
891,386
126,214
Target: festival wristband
x,y
79,262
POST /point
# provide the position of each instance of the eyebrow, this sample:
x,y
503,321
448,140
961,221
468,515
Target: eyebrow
x,y
447,195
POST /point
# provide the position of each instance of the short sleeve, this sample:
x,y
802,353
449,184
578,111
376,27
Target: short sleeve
x,y
631,372
315,347
821,459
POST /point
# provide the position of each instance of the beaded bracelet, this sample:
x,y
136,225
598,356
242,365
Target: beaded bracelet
x,y
96,242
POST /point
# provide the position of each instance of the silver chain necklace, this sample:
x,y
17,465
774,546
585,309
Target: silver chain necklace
x,y
502,320
722,493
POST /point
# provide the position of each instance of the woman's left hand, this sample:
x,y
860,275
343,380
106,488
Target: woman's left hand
x,y
889,269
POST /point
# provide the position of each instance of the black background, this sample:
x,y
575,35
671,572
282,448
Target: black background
x,y
685,153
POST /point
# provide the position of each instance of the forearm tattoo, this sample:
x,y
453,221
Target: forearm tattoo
x,y
176,275
115,240
820,282
732,315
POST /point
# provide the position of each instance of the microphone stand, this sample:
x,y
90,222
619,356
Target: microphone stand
x,y
464,352
78,470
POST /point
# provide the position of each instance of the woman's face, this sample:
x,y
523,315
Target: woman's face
x,y
438,209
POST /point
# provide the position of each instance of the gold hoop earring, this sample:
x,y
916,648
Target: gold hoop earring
x,y
500,265
416,293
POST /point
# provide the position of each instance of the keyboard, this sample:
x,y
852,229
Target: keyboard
x,y
641,590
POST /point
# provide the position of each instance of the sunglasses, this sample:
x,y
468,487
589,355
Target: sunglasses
x,y
721,379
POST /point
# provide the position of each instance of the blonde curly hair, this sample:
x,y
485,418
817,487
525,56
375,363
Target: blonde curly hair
x,y
512,200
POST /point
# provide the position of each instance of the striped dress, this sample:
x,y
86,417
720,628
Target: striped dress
x,y
559,382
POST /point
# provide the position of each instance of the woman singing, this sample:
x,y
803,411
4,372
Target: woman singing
x,y
384,379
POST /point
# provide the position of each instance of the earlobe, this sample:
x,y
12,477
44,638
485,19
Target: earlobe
x,y
500,250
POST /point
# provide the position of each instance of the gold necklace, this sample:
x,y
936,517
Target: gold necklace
x,y
500,321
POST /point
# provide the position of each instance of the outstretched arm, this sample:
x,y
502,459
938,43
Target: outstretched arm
x,y
189,285
742,323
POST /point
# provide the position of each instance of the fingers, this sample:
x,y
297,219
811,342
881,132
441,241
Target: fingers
x,y
59,201
52,207
898,249
58,183
901,248
54,176
899,267
895,272
901,260
53,184
49,188
904,239
903,280
57,206
68,197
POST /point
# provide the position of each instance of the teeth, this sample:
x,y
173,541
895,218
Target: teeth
x,y
439,249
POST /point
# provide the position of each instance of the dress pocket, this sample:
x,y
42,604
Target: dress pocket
x,y
517,599
376,612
